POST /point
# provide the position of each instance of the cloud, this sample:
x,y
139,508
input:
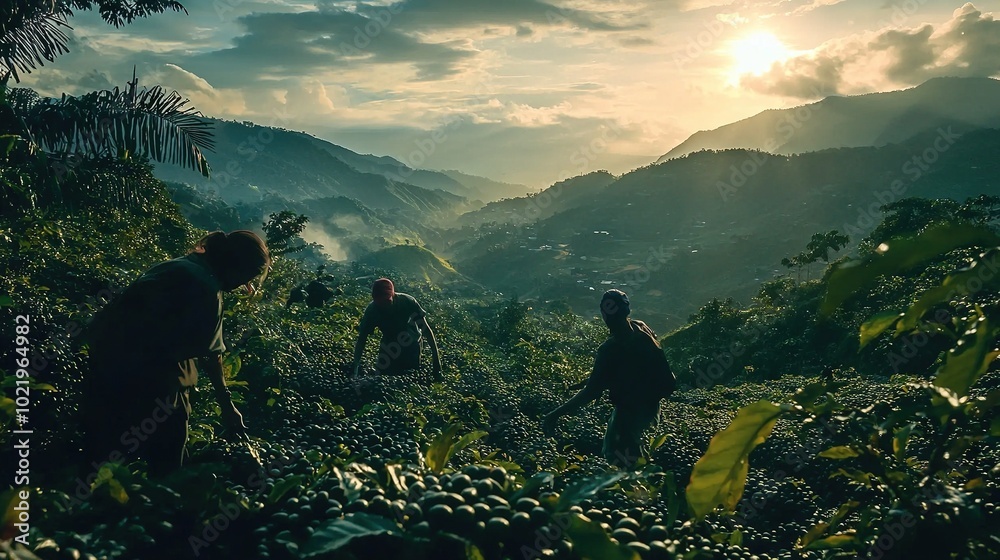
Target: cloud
x,y
94,80
964,46
437,14
205,97
802,77
276,46
912,52
813,5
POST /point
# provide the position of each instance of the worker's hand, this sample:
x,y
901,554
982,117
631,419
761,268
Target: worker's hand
x,y
232,419
549,424
355,371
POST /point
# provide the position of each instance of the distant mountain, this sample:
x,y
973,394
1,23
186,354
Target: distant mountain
x,y
560,196
717,224
251,161
876,119
489,189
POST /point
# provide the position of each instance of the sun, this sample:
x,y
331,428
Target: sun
x,y
756,53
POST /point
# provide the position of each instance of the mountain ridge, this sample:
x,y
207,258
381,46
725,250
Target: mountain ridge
x,y
872,119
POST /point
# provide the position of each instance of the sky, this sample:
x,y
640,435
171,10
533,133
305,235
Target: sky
x,y
525,91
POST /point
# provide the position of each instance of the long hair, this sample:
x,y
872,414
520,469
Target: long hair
x,y
236,249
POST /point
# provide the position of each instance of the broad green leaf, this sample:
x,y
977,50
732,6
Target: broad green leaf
x,y
593,542
674,504
283,486
877,325
338,533
808,396
586,488
839,452
534,484
835,541
468,439
959,284
861,477
440,449
720,475
964,364
900,256
117,491
658,441
900,439
817,531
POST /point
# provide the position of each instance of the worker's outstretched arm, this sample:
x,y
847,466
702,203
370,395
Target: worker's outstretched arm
x,y
590,392
426,329
359,350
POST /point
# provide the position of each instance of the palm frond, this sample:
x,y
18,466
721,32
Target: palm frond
x,y
31,33
150,123
122,12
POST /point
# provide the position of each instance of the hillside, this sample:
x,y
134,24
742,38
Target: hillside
x,y
414,262
677,234
875,119
560,196
251,161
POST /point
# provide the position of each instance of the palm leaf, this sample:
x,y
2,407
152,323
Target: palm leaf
x,y
150,123
31,33
121,12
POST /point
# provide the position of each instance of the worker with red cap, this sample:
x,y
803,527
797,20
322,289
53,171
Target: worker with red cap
x,y
402,322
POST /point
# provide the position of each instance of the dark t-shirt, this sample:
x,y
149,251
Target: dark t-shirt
x,y
616,369
149,337
399,318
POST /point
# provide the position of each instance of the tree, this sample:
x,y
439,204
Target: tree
x,y
32,31
59,148
282,229
817,249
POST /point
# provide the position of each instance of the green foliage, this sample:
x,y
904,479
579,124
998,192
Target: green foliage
x,y
720,475
593,542
282,229
444,445
31,33
339,533
900,255
817,249
871,449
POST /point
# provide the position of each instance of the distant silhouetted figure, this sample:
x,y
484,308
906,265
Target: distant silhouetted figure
x,y
631,366
313,293
402,321
145,344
